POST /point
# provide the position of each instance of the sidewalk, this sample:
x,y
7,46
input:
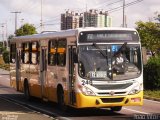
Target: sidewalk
x,y
4,72
12,111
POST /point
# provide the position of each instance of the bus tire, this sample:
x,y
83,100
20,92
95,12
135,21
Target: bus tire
x,y
26,90
60,98
116,108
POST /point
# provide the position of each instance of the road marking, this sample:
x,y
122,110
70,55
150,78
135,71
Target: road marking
x,y
63,118
6,112
136,111
152,101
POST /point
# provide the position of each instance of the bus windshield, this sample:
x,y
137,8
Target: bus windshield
x,y
109,62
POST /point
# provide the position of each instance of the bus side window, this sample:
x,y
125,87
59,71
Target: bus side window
x,y
34,53
52,52
61,52
25,53
13,53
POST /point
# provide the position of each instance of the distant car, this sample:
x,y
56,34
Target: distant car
x,y
149,53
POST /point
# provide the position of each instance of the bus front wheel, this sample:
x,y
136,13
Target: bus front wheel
x,y
117,108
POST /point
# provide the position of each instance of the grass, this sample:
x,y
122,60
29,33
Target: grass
x,y
153,94
3,65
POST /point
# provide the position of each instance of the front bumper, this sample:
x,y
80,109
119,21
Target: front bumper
x,y
83,101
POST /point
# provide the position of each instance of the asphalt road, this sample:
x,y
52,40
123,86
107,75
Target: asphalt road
x,y
150,109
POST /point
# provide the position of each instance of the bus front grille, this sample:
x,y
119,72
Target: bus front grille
x,y
112,86
111,100
109,94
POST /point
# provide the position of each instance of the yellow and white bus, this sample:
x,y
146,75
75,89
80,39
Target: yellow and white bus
x,y
81,68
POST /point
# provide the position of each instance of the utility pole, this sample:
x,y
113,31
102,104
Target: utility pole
x,y
16,12
41,23
3,33
123,25
22,21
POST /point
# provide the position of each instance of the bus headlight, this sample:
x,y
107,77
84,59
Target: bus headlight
x,y
86,91
136,89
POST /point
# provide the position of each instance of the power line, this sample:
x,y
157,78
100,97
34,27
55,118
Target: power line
x,y
123,13
51,20
110,10
104,4
48,24
126,5
56,17
41,24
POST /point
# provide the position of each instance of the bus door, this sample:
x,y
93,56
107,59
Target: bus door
x,y
18,75
72,57
43,71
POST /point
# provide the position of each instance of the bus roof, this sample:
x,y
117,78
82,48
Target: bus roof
x,y
66,33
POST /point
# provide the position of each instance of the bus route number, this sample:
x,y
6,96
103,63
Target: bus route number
x,y
86,82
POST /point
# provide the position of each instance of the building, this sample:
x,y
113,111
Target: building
x,y
71,20
91,18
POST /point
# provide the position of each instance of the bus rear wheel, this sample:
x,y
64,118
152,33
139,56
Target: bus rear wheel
x,y
60,98
26,91
117,108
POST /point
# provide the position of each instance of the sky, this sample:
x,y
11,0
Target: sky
x,y
51,10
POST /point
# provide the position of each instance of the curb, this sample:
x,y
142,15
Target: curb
x,y
151,98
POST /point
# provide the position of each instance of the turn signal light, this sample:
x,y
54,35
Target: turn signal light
x,y
136,99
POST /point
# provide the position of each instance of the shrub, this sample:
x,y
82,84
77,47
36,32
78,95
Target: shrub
x,y
152,73
6,56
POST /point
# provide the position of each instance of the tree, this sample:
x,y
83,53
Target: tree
x,y
26,29
6,56
150,36
157,16
9,39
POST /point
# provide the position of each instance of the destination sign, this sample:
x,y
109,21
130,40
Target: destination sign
x,y
108,36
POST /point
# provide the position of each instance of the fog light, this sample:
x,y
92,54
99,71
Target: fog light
x,y
136,99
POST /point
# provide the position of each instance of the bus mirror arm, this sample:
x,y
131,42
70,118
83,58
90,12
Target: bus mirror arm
x,y
75,56
120,49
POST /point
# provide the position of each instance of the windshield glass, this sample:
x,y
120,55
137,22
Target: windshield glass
x,y
109,62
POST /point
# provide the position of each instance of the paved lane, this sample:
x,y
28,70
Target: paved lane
x,y
149,107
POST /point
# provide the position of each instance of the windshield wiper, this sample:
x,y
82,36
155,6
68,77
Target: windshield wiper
x,y
120,49
100,50
105,55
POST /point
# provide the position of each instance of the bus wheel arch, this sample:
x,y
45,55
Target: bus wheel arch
x,y
26,89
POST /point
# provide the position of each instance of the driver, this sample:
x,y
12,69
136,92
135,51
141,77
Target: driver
x,y
119,64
